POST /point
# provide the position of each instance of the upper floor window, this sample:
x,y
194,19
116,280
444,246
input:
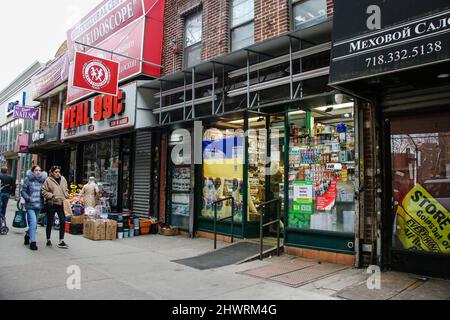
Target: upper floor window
x,y
242,24
308,12
193,40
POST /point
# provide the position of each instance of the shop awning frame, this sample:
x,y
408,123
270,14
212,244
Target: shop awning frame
x,y
288,48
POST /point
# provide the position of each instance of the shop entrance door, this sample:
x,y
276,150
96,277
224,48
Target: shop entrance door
x,y
266,163
180,187
419,205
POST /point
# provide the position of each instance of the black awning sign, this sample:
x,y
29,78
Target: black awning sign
x,y
381,36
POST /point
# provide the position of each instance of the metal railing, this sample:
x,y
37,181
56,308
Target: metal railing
x,y
224,219
265,225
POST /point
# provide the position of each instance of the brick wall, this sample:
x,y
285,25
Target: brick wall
x,y
216,20
271,18
215,34
330,8
173,31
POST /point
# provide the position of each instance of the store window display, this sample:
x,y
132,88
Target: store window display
x,y
322,169
102,161
223,174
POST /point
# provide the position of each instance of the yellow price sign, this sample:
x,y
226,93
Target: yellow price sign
x,y
423,223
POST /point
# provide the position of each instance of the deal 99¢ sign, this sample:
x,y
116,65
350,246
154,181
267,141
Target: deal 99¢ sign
x,y
102,113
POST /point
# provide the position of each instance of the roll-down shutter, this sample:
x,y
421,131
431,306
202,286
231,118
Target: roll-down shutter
x,y
142,169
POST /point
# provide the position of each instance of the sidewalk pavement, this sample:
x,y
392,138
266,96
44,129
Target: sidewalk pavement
x,y
140,268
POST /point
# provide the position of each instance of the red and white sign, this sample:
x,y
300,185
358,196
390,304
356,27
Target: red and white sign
x,y
132,28
101,114
328,200
96,74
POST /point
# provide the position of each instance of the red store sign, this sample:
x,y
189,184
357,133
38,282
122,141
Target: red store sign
x,y
95,74
100,114
105,108
132,28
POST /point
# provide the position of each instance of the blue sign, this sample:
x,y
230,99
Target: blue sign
x,y
231,148
11,107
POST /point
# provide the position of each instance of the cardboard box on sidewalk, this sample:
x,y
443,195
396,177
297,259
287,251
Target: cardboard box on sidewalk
x,y
111,230
95,230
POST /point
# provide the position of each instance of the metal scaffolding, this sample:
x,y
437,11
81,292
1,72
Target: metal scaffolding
x,y
216,82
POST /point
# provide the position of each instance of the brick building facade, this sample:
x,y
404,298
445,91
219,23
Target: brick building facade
x,y
272,18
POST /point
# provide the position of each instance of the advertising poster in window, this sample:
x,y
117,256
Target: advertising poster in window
x,y
223,177
303,197
423,224
181,188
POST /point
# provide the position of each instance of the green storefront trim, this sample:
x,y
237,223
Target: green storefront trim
x,y
329,241
319,240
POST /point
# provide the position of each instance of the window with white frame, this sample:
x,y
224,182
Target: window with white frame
x,y
242,24
308,12
193,39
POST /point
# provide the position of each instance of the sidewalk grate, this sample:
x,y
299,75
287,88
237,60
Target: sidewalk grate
x,y
295,273
302,277
278,269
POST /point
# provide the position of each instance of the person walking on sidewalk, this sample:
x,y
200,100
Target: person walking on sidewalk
x,y
55,191
7,189
31,192
90,194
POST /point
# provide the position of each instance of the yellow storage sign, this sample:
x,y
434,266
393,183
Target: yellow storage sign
x,y
423,223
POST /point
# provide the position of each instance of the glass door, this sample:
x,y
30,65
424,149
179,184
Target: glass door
x,y
277,167
266,134
180,186
420,171
257,165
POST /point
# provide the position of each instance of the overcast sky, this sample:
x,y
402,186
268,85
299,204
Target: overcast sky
x,y
33,30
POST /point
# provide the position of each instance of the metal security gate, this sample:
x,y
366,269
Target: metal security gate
x,y
416,140
142,176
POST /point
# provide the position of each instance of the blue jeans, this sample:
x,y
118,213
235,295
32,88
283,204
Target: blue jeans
x,y
4,198
32,217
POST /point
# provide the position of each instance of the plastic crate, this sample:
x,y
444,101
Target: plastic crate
x,y
76,229
145,230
